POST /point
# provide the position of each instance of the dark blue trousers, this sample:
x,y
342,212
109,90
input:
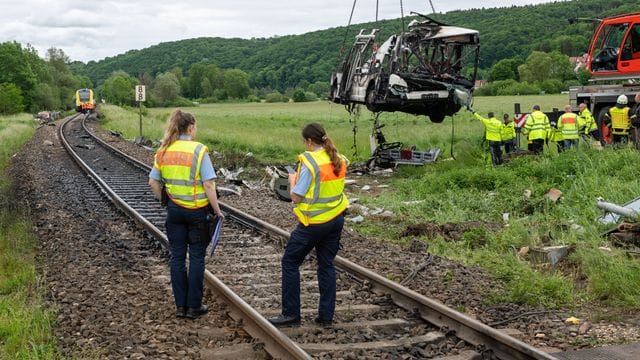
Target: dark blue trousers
x,y
325,238
187,287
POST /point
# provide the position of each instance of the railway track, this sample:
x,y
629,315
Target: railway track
x,y
375,317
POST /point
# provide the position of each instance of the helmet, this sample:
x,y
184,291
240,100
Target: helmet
x,y
622,100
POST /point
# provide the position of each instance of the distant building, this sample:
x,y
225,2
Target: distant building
x,y
578,62
480,83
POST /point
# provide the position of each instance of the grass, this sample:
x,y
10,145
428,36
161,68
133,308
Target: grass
x,y
465,189
25,325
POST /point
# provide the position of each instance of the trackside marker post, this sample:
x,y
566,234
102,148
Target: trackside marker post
x,y
140,97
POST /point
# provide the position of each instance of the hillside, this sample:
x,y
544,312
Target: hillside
x,y
283,62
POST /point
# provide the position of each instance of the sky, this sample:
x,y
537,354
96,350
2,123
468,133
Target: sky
x,y
93,30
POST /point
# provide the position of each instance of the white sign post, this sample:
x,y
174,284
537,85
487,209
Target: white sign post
x,y
140,97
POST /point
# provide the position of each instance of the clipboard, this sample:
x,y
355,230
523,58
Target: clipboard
x,y
216,235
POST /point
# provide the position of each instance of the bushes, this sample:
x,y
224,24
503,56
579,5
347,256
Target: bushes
x,y
275,97
11,101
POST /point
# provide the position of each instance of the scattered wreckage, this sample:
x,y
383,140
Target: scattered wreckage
x,y
419,71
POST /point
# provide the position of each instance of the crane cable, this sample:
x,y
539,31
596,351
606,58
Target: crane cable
x,y
402,15
346,29
433,10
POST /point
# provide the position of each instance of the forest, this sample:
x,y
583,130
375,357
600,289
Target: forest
x,y
517,43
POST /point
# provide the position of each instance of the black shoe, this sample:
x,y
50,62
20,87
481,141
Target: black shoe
x,y
193,313
285,320
181,312
323,322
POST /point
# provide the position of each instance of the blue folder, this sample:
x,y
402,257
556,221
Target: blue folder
x,y
216,235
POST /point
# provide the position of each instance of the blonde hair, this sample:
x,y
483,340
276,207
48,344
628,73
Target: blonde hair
x,y
177,124
316,133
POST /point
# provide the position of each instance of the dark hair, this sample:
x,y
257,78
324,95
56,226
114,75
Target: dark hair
x,y
316,133
490,114
536,107
505,116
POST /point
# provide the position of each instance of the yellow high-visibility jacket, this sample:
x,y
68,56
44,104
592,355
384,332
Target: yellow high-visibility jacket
x,y
586,121
325,198
568,124
537,126
508,131
180,165
493,127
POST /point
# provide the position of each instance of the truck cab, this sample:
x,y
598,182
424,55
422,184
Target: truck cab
x,y
614,52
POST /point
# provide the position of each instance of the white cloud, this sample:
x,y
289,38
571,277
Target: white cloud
x,y
94,30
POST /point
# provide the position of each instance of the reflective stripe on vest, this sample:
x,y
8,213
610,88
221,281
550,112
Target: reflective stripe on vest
x,y
585,118
180,166
620,122
537,125
568,123
325,197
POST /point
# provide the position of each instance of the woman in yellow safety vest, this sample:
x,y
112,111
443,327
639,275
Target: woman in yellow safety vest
x,y
183,166
317,189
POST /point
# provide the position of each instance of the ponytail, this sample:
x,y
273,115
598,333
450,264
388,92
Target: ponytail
x,y
177,124
336,160
318,135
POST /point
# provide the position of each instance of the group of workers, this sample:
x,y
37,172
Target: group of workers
x,y
184,172
621,120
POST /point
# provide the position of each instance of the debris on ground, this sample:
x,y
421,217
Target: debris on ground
x,y
553,194
549,254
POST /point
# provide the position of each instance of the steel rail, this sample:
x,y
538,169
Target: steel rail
x,y
276,343
472,331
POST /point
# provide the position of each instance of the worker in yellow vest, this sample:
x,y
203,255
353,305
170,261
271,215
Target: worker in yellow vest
x,y
317,189
537,129
555,135
183,166
618,119
568,126
587,123
508,134
493,134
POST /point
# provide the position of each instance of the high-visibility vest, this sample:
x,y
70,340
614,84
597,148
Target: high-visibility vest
x,y
508,131
586,120
568,124
537,125
180,165
325,198
620,122
493,127
555,134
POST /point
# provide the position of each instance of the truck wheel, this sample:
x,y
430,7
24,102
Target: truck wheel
x,y
604,130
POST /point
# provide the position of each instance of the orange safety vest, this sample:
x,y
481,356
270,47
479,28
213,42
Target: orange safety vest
x,y
179,166
568,124
325,198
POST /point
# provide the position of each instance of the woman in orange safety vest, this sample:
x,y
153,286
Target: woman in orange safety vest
x,y
183,166
317,189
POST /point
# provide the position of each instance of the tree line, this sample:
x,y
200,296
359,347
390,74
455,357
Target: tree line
x,y
524,49
30,83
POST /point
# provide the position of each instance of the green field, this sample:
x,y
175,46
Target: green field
x,y
272,130
25,325
460,190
